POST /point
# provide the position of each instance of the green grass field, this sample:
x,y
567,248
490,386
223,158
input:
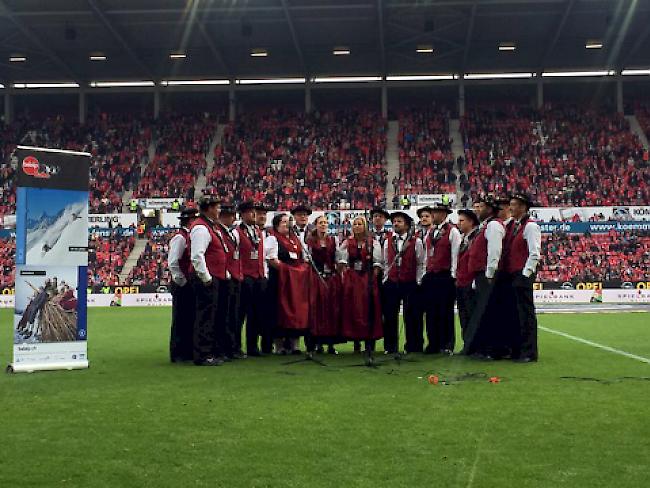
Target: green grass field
x,y
134,419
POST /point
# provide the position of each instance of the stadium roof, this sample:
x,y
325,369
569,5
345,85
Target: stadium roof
x,y
217,38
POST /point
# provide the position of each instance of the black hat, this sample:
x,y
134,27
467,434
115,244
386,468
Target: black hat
x,y
246,206
470,214
523,198
207,201
502,199
404,215
261,207
188,213
228,209
424,209
441,207
301,208
489,200
379,210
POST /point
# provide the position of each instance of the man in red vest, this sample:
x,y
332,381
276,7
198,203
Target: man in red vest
x,y
485,327
442,242
251,254
229,301
208,256
524,240
465,295
183,306
261,212
404,265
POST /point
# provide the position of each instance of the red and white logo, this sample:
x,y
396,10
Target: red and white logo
x,y
32,167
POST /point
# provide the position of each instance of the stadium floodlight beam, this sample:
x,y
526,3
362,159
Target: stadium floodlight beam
x,y
120,84
507,46
346,79
341,51
17,59
593,44
497,76
424,49
177,55
65,84
635,72
193,82
420,77
270,81
259,53
577,74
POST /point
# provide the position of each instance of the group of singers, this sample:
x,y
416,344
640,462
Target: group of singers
x,y
293,279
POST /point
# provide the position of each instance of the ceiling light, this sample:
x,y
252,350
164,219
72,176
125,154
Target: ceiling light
x,y
270,81
65,84
341,51
177,56
120,84
17,59
571,74
507,46
259,53
496,76
635,72
593,44
97,57
424,49
420,77
346,79
193,82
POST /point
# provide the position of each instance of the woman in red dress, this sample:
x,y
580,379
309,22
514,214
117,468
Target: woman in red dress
x,y
360,260
324,291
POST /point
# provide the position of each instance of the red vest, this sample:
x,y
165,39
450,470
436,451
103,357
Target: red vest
x,y
407,269
517,254
363,254
478,251
233,263
185,262
463,276
252,268
439,251
215,254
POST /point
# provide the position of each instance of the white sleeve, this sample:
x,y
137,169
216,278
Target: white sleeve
x,y
176,249
342,253
377,255
533,236
455,238
494,233
199,241
421,260
384,258
270,248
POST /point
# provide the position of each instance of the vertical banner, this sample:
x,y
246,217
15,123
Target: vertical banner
x,y
51,259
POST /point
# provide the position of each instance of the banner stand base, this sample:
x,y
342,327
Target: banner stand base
x,y
30,368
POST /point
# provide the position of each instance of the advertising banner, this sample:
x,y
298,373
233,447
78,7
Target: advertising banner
x,y
51,260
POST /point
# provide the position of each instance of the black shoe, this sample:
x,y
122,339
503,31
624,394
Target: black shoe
x,y
397,356
369,360
226,359
210,361
309,355
447,352
320,350
332,350
431,350
482,357
526,359
357,347
296,352
239,355
254,354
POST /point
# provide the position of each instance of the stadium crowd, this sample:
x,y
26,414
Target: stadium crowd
x,y
106,257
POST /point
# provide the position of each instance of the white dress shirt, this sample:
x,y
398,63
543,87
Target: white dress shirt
x,y
533,237
420,256
176,249
494,233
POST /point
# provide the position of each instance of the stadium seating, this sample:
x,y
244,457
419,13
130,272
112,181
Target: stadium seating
x,y
7,262
326,160
563,155
425,158
151,268
595,257
106,258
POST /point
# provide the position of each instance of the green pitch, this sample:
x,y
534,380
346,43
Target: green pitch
x,y
134,419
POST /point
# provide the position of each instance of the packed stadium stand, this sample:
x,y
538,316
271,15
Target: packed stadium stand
x,y
7,262
330,159
106,257
621,256
151,267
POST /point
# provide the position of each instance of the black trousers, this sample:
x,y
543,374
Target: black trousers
x,y
481,329
466,299
228,315
183,315
251,310
524,340
439,295
394,295
207,339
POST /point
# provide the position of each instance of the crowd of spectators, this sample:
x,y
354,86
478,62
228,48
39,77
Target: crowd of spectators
x,y
621,256
327,160
106,257
151,267
7,262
